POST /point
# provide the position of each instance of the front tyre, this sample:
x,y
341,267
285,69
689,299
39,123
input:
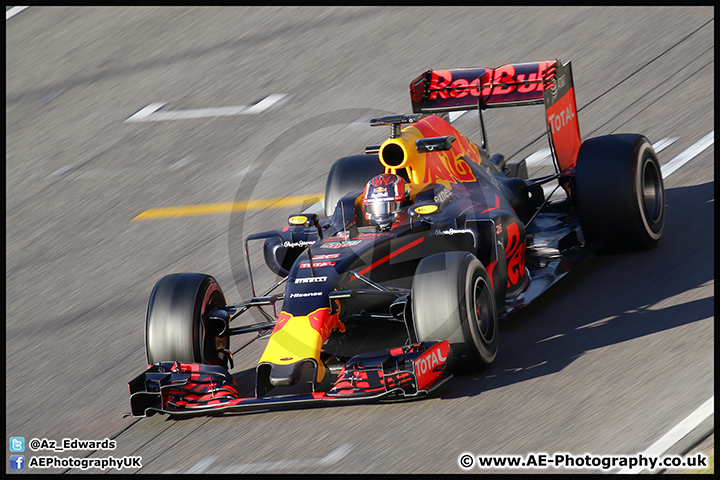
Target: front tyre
x,y
452,299
619,192
178,326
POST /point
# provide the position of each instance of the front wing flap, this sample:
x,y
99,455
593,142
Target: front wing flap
x,y
184,389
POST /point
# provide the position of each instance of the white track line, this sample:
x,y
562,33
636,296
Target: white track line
x,y
151,113
708,408
455,115
543,156
538,157
144,113
265,103
662,144
202,465
688,154
68,172
260,467
206,464
677,433
11,12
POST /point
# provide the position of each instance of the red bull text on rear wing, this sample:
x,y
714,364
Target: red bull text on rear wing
x,y
437,91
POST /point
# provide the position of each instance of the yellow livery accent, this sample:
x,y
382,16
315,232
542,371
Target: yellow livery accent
x,y
297,338
446,167
298,220
426,209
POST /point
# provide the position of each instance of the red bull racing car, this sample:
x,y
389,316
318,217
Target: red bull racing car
x,y
427,240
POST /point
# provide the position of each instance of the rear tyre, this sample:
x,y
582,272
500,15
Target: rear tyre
x,y
452,299
619,192
178,326
349,174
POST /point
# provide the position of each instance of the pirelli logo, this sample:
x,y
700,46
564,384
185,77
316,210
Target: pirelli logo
x,y
310,280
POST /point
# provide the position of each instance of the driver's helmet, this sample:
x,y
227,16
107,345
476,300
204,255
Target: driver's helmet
x,y
384,198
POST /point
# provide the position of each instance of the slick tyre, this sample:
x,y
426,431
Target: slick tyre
x,y
619,192
349,174
177,326
452,299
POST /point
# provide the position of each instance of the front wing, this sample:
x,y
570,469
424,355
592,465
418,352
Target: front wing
x,y
184,389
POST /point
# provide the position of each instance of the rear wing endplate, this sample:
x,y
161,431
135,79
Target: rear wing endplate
x,y
562,124
439,91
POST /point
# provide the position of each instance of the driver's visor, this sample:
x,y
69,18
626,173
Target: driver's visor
x,y
381,208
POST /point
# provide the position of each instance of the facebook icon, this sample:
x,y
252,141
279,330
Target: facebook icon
x,y
17,462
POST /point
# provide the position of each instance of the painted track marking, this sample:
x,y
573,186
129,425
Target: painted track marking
x,y
70,172
688,154
223,207
333,457
153,113
543,156
11,12
455,115
662,144
538,158
678,432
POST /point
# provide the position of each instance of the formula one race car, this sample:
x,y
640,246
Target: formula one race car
x,y
428,240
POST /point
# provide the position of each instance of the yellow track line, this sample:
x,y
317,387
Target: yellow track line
x,y
224,207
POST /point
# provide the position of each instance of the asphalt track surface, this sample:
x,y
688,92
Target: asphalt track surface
x,y
608,361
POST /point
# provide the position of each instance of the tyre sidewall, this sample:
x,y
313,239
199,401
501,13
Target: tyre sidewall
x,y
177,307
485,346
449,279
651,229
212,297
609,192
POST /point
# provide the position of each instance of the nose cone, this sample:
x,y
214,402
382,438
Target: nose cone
x,y
286,375
294,341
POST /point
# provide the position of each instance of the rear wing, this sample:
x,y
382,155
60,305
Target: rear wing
x,y
453,90
438,91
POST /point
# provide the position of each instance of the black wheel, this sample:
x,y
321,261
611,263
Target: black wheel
x,y
349,174
619,192
452,299
177,326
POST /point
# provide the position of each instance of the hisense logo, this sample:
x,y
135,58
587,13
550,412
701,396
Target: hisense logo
x,y
301,295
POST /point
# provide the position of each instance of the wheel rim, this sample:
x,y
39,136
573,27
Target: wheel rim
x,y
481,313
210,344
651,192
